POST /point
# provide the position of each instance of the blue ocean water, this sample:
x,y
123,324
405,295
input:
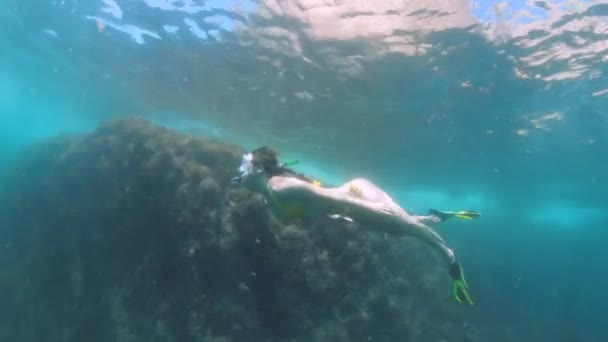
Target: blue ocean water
x,y
498,107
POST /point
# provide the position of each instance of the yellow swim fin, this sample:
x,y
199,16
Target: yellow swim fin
x,y
463,214
468,214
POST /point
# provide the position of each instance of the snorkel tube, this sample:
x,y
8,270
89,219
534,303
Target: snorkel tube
x,y
289,163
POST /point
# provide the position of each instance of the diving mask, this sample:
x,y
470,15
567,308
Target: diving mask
x,y
246,169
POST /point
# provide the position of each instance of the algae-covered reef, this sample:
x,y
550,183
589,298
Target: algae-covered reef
x,y
134,233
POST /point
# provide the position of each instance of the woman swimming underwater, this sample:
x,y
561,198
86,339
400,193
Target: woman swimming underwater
x,y
359,200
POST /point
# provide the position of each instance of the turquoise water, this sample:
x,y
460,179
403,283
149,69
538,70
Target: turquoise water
x,y
489,106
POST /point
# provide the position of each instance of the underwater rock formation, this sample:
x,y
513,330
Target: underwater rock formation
x,y
135,233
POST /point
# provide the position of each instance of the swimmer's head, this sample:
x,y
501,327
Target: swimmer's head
x,y
257,165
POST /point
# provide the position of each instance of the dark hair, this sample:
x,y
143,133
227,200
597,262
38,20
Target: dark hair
x,y
266,159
